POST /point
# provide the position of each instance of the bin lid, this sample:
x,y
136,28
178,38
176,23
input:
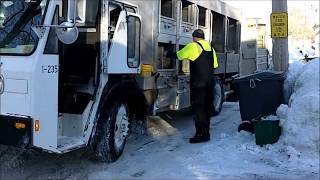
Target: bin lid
x,y
263,75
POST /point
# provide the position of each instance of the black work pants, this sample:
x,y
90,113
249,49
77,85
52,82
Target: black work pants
x,y
201,104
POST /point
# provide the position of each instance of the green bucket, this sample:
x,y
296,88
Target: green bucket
x,y
267,132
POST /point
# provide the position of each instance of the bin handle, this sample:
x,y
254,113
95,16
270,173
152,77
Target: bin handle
x,y
257,79
252,83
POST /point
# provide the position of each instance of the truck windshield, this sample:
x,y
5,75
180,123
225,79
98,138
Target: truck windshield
x,y
16,20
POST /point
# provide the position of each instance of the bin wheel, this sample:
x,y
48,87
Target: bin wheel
x,y
218,97
246,126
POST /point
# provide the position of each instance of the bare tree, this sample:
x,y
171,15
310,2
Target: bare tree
x,y
300,27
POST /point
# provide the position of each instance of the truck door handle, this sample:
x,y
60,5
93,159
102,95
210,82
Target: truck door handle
x,y
1,84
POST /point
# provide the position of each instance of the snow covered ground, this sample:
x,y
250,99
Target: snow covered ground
x,y
166,154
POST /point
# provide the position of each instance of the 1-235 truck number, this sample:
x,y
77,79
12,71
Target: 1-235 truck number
x,y
50,69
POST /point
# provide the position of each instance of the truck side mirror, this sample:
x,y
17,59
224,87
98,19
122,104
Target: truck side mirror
x,y
67,32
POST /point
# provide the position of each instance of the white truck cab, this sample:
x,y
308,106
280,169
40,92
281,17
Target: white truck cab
x,y
56,59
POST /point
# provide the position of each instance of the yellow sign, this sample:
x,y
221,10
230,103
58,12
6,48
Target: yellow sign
x,y
279,25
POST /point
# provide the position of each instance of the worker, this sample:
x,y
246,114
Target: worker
x,y
203,61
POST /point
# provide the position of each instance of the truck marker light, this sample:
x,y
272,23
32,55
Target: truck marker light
x,y
18,125
36,125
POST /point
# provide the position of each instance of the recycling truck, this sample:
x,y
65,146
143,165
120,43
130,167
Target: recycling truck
x,y
84,73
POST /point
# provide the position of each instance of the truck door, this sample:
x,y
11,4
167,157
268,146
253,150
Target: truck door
x,y
45,88
29,75
124,51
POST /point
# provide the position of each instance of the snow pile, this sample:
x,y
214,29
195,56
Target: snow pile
x,y
292,75
300,118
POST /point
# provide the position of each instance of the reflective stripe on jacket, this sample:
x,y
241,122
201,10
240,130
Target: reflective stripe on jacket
x,y
192,51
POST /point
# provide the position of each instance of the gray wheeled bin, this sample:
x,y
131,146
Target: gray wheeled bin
x,y
259,94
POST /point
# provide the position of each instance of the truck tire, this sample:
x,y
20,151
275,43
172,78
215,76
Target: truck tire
x,y
218,96
111,133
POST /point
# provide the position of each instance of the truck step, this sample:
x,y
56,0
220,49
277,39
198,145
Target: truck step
x,y
227,93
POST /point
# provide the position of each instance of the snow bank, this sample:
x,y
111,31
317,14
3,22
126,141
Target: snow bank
x,y
300,119
292,74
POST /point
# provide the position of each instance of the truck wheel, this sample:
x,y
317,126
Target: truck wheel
x,y
111,134
218,97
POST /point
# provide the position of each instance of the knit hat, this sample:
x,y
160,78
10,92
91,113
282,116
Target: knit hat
x,y
198,33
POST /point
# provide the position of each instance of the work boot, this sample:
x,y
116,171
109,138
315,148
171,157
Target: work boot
x,y
200,137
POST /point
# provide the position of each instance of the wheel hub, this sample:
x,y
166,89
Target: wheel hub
x,y
121,126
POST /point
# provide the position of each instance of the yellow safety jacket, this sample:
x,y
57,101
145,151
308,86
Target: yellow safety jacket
x,y
193,50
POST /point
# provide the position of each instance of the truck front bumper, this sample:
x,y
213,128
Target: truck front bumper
x,y
15,131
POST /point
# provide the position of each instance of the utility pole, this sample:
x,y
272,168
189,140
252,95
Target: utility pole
x,y
280,55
